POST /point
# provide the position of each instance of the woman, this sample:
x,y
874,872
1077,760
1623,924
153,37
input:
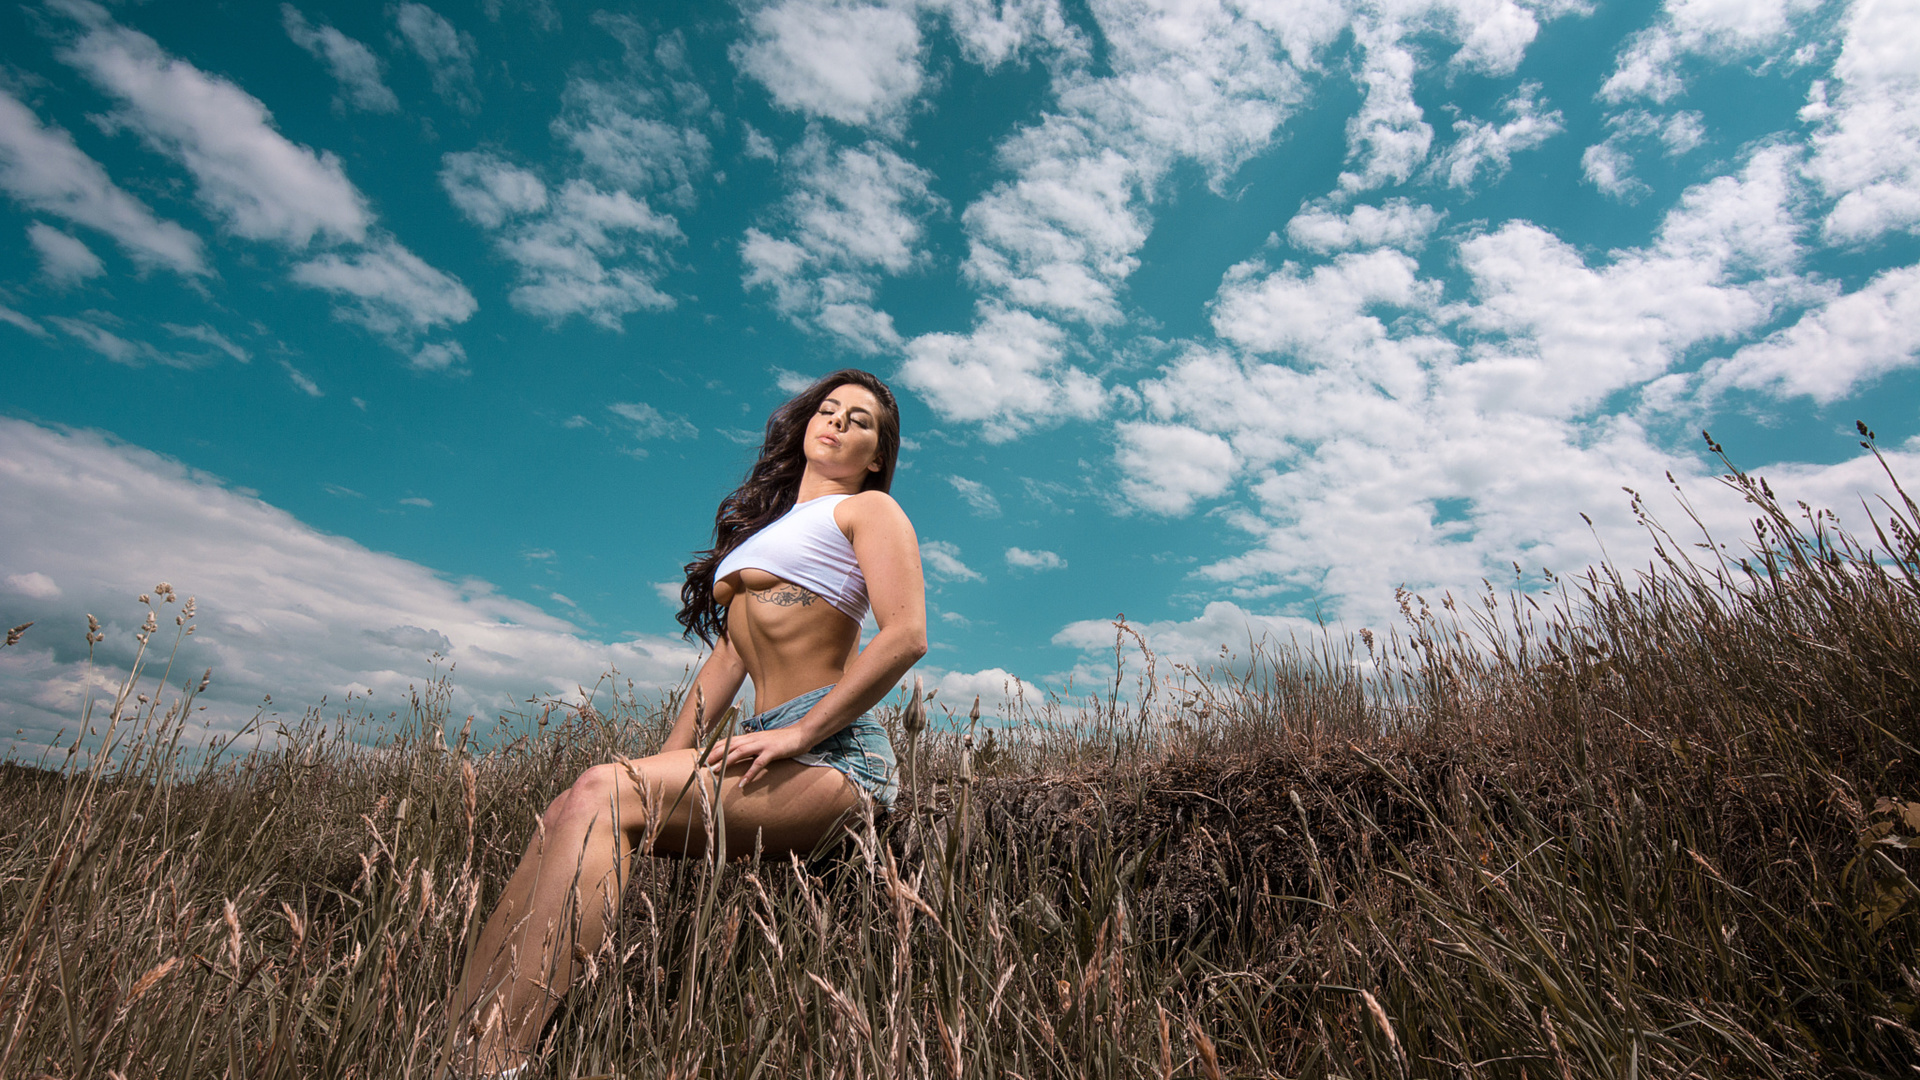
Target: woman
x,y
800,551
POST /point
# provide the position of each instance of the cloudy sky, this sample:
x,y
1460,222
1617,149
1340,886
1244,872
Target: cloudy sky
x,y
388,329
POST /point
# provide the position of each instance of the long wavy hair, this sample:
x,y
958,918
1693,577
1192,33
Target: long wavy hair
x,y
771,487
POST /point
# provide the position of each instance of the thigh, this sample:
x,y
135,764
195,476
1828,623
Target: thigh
x,y
790,807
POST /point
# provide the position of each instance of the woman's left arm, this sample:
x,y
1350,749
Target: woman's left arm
x,y
889,554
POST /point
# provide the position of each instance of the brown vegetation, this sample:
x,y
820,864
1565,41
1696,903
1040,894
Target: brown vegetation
x,y
1660,829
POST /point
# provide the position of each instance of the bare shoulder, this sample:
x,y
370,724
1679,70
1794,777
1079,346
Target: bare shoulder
x,y
870,509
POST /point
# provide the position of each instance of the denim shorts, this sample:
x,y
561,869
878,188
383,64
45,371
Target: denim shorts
x,y
860,750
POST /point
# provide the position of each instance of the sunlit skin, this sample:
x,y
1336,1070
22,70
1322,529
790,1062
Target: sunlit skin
x,y
788,641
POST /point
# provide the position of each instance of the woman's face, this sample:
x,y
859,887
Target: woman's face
x,y
843,435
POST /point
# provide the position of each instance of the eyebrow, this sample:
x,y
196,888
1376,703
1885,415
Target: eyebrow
x,y
849,408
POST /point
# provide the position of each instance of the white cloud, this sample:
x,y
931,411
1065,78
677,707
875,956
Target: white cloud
x,y
1022,559
1389,135
593,245
1836,347
1300,28
300,380
997,688
447,51
1574,335
1061,237
489,190
260,184
757,146
118,349
1608,165
852,216
64,260
14,318
1168,466
1191,82
1195,642
1683,132
1397,223
1480,144
669,592
1610,168
207,335
1322,313
992,31
1204,82
388,289
976,495
1387,436
1720,30
351,63
33,585
246,173
942,560
440,356
1867,151
790,382
541,13
43,169
647,422
1494,34
283,609
1007,375
620,133
1740,221
854,62
564,257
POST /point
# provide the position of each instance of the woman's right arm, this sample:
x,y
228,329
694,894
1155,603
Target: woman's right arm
x,y
717,683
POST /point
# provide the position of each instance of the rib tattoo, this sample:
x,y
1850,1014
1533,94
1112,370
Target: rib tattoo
x,y
785,596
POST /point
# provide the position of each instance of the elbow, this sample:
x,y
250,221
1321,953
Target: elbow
x,y
915,644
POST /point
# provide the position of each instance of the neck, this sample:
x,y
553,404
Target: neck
x,y
813,486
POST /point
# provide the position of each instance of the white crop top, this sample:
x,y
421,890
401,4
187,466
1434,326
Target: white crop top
x,y
805,546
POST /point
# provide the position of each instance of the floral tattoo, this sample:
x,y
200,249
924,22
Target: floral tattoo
x,y
785,596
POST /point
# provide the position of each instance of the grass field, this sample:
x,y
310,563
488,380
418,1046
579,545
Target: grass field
x,y
1661,826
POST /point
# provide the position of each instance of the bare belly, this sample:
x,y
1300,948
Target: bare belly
x,y
790,638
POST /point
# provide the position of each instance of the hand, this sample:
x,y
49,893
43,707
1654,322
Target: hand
x,y
761,748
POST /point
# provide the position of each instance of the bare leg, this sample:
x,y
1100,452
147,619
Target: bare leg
x,y
555,909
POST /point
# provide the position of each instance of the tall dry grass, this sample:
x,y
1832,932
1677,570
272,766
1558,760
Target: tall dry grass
x,y
1659,826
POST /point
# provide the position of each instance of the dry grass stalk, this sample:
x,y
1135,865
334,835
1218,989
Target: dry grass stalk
x,y
1624,829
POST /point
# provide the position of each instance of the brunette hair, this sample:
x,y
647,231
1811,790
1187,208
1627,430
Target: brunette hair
x,y
771,486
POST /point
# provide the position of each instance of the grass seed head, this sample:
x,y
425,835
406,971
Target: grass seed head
x,y
915,718
232,916
147,982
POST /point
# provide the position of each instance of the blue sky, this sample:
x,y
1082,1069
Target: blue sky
x,y
387,329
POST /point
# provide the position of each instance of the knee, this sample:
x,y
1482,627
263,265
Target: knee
x,y
594,792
